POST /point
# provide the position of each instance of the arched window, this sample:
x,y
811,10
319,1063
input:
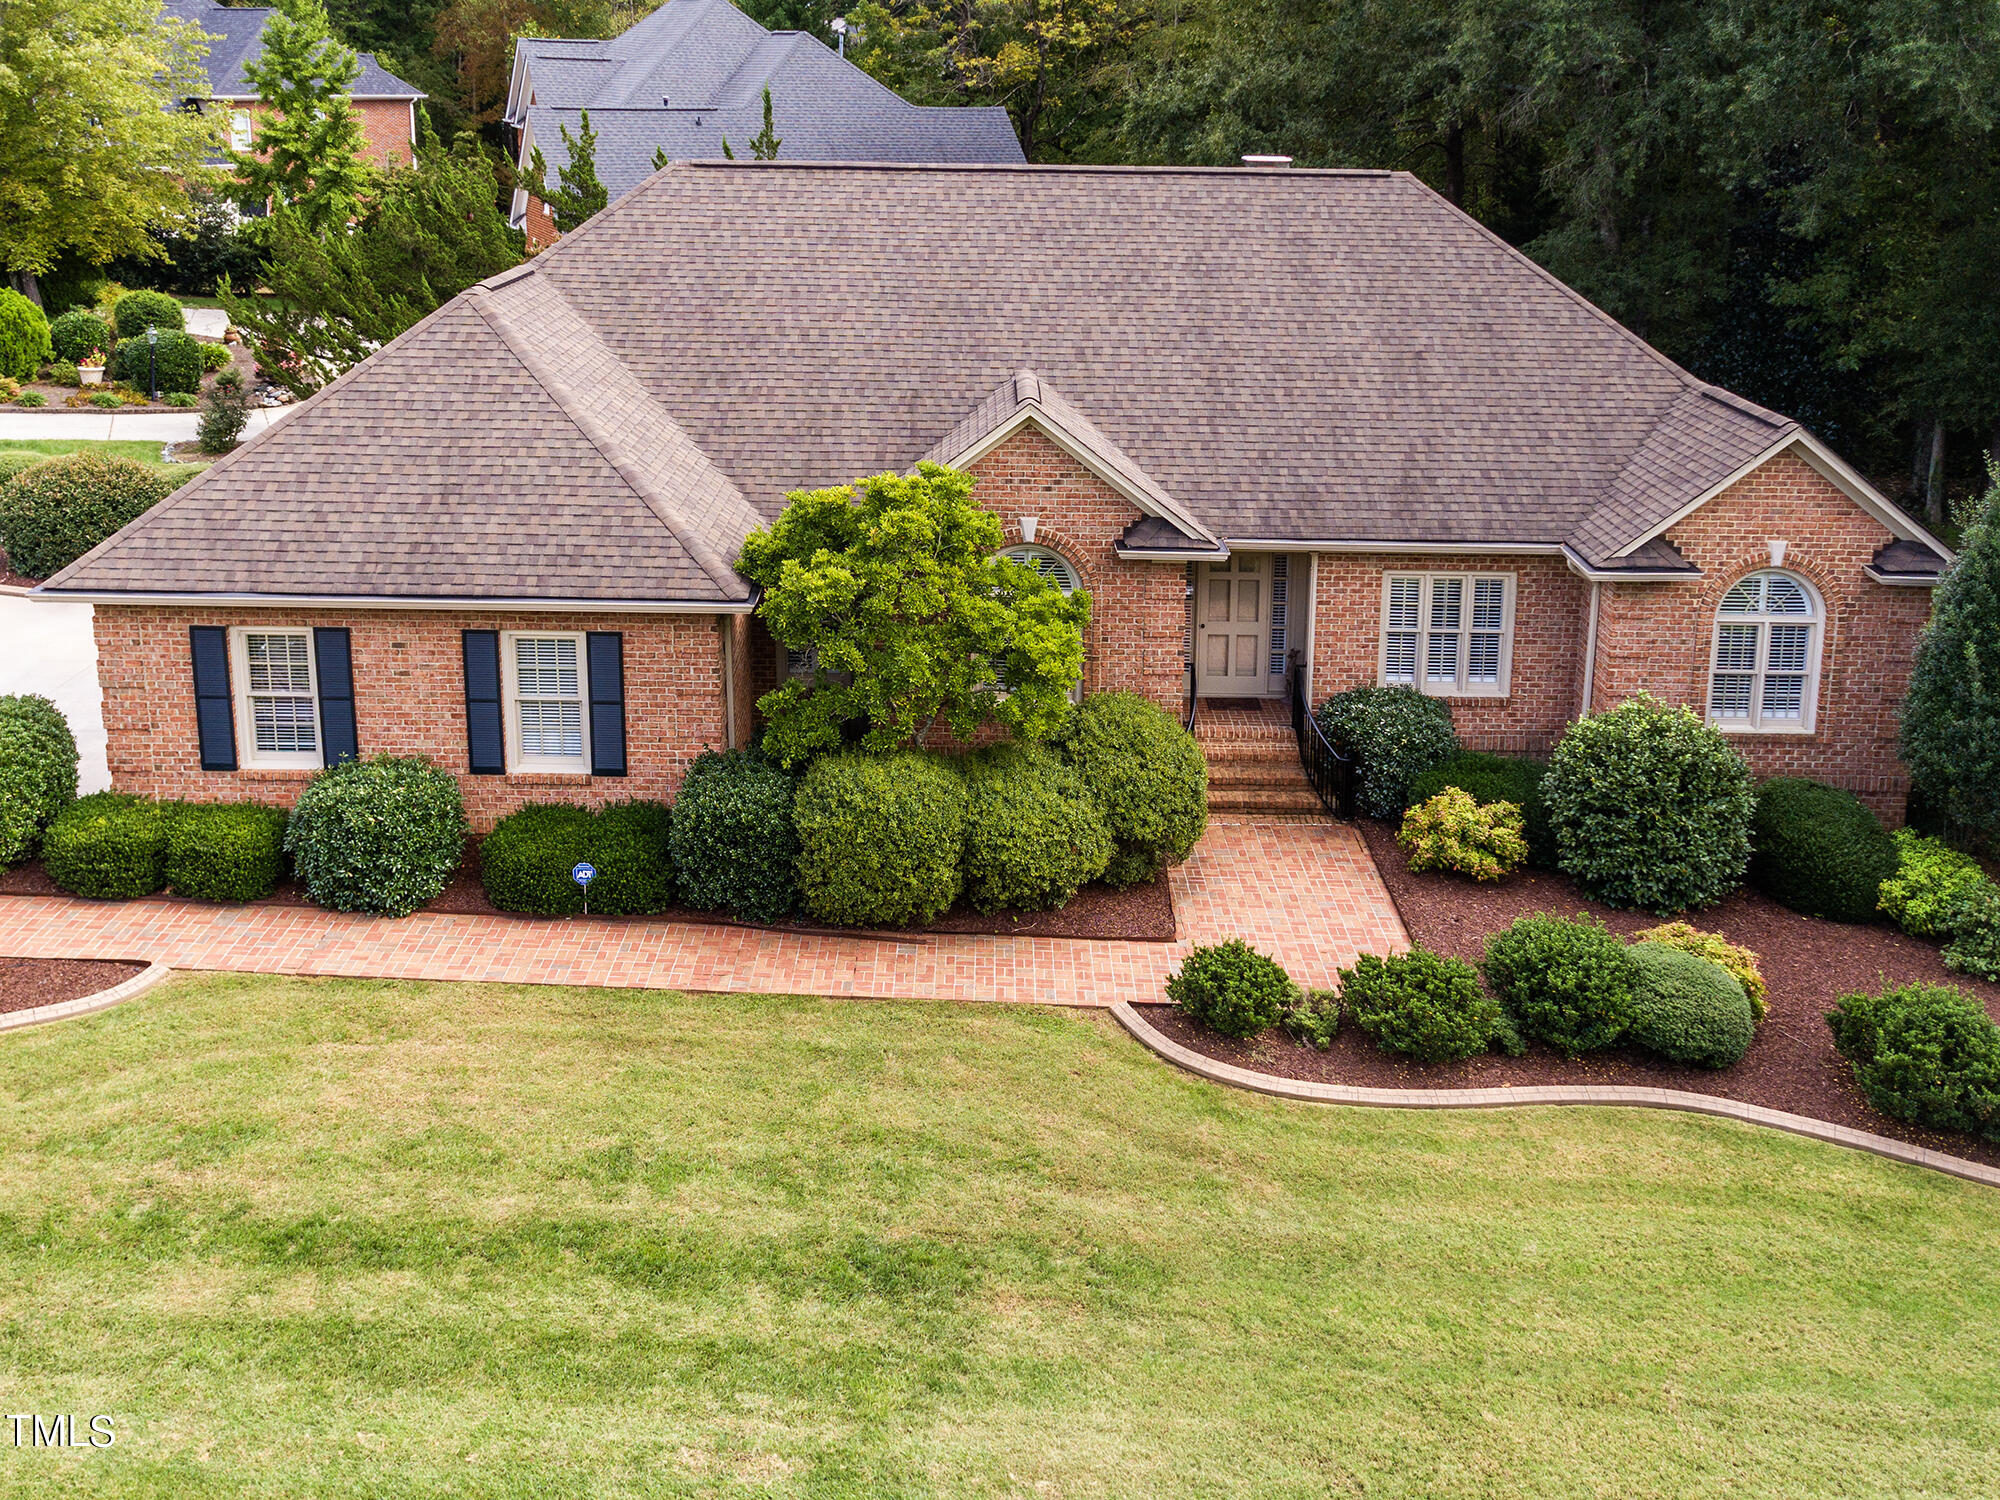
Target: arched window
x,y
1051,565
1764,674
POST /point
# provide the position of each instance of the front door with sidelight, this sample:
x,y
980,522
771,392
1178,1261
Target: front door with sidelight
x,y
1232,626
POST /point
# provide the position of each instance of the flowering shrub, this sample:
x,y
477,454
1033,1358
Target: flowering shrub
x,y
1452,832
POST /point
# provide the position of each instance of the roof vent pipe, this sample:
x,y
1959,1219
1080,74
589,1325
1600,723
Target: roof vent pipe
x,y
1267,161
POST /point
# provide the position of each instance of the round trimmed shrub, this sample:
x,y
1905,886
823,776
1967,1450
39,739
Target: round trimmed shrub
x,y
176,361
1650,807
37,772
879,838
1452,832
108,845
1231,988
1395,734
1033,836
525,862
1929,882
1568,983
1687,1009
734,846
1421,1004
1147,774
53,513
1819,850
1496,778
24,336
380,835
225,851
77,332
635,865
135,312
1926,1053
1717,949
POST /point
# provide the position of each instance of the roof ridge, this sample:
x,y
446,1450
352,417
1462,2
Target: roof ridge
x,y
602,438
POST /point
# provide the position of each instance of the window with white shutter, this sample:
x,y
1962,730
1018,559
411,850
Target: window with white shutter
x,y
1764,669
277,697
547,727
1450,634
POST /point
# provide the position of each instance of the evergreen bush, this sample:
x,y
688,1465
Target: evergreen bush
x,y
135,312
1568,983
24,336
53,513
109,846
1650,807
1312,1017
1819,850
1496,778
1975,932
1421,1005
1452,832
37,772
1929,879
734,846
1231,988
1034,836
880,838
379,835
1687,1008
175,362
1925,1053
225,851
1717,949
1396,734
225,409
525,863
76,333
1147,774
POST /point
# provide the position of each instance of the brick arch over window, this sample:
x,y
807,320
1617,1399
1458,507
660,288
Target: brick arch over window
x,y
1834,602
1053,539
1768,634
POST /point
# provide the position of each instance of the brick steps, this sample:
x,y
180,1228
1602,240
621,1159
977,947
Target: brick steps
x,y
1253,766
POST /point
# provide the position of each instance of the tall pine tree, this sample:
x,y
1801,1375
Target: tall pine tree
x,y
577,193
306,153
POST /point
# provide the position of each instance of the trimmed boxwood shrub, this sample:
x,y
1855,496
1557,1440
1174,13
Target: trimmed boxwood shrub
x,y
1496,778
1422,1005
1974,921
1819,850
1926,1053
53,513
77,332
1395,733
880,838
380,835
1929,880
225,851
37,772
1231,988
1034,836
24,336
1717,949
1452,832
1687,1009
176,361
108,845
525,862
1147,774
1568,983
135,312
1650,807
734,846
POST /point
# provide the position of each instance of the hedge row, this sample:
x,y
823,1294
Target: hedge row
x,y
111,845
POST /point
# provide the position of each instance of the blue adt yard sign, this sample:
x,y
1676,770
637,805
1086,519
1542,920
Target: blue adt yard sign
x,y
583,872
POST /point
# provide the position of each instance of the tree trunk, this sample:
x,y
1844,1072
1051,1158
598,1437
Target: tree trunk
x,y
1454,164
1993,448
24,282
1920,458
1934,477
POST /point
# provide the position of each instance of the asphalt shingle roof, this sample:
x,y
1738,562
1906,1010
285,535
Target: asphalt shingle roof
x,y
236,36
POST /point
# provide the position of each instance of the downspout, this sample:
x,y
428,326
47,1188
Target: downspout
x,y
1312,625
725,629
1590,655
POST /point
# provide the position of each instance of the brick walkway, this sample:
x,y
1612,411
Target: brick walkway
x,y
1303,890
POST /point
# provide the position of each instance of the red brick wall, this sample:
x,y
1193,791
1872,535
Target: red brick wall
x,y
1657,637
540,225
1546,682
409,687
385,125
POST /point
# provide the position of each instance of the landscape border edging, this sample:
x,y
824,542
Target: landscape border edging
x,y
1625,1095
84,1005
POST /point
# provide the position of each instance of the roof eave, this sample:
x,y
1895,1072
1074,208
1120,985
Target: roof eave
x,y
1903,580
395,601
1585,569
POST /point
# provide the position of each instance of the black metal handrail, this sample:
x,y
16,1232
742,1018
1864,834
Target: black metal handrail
x,y
1329,770
1193,701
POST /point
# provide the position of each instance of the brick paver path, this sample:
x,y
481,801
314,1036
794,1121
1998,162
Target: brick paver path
x,y
1303,890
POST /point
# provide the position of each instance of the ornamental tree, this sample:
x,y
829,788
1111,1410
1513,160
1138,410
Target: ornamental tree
x,y
1951,719
306,153
910,616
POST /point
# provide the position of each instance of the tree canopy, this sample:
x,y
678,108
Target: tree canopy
x,y
911,618
306,154
577,193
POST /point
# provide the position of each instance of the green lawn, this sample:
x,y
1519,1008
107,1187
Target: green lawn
x,y
146,453
314,1237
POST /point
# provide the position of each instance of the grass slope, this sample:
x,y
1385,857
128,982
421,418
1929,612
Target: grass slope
x,y
346,1238
146,453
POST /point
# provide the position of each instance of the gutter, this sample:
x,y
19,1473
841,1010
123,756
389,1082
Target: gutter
x,y
1903,580
377,601
1582,569
1154,554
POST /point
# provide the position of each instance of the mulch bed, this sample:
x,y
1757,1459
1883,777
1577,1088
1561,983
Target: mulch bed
x,y
1808,965
28,982
1141,913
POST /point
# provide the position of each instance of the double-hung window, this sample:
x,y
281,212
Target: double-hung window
x,y
241,132
547,725
1448,633
1764,671
277,697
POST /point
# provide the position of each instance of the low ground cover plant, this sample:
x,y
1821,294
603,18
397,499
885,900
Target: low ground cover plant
x,y
1312,1017
109,845
733,843
37,772
1925,1053
1741,962
1034,836
1497,778
1567,982
381,835
526,863
1396,734
1687,1008
224,851
1929,879
1453,832
1232,989
1148,776
880,838
1424,1006
1650,807
1819,850
53,513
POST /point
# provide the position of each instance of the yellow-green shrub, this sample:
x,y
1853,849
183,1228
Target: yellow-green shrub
x,y
1452,832
1717,949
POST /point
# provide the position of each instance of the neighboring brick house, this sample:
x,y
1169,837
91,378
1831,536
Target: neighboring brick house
x,y
385,105
691,76
1285,426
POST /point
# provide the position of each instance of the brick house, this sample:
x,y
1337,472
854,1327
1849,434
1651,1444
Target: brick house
x,y
385,105
1311,425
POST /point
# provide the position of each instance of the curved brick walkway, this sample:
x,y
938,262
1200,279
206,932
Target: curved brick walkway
x,y
1303,890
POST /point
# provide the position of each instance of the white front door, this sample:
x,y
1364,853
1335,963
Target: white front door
x,y
1232,627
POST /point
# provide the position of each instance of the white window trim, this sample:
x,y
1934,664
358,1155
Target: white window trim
x,y
246,725
1808,720
242,130
1028,555
518,763
1460,688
